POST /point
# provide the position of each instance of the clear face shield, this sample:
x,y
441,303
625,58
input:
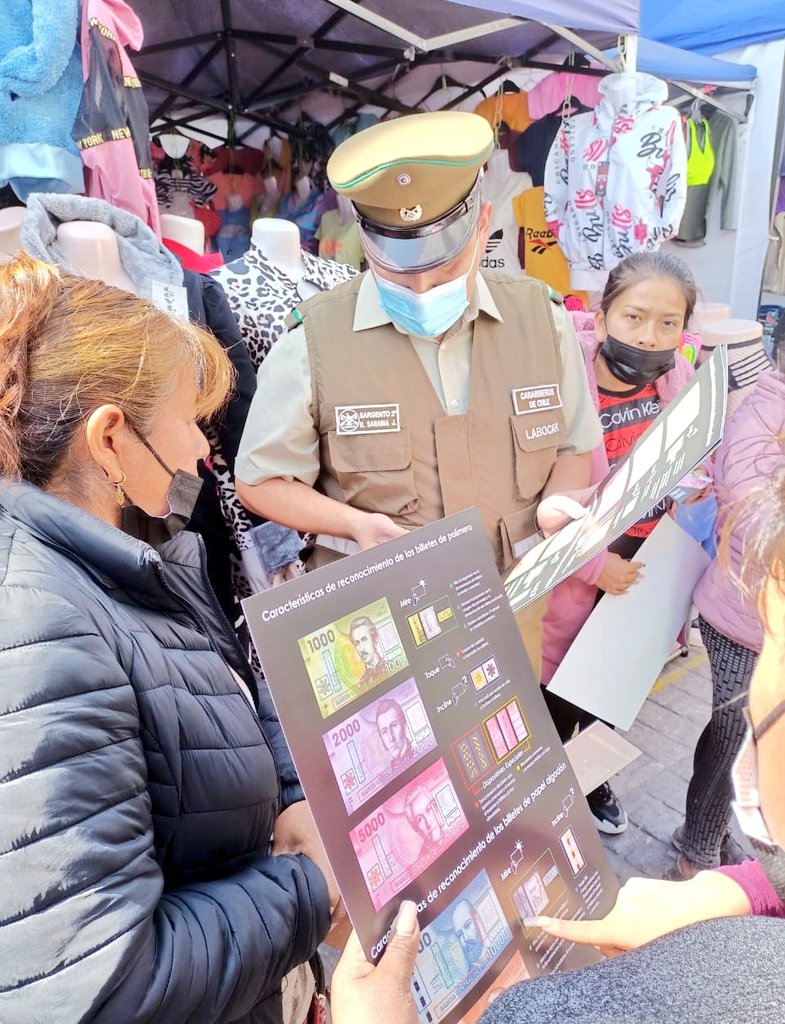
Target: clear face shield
x,y
413,250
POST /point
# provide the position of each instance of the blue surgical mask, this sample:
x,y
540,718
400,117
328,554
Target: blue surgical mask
x,y
428,314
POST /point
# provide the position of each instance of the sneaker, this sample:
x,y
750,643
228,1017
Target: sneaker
x,y
609,815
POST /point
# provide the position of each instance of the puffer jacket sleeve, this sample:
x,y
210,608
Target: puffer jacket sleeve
x,y
291,789
87,933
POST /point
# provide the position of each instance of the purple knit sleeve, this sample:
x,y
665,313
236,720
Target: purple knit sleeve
x,y
751,877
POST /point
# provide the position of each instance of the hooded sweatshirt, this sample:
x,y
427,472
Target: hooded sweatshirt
x,y
144,258
571,602
112,129
40,90
751,451
615,180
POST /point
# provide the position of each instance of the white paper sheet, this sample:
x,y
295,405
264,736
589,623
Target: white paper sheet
x,y
619,653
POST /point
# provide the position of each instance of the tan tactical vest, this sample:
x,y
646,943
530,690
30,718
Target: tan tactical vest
x,y
386,443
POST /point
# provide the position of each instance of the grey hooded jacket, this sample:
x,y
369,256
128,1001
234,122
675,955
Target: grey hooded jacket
x,y
138,788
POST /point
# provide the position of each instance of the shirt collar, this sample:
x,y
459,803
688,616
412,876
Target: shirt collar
x,y
368,312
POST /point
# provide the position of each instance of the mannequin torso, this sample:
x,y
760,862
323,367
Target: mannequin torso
x,y
186,230
91,248
279,242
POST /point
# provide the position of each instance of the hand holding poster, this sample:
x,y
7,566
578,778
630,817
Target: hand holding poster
x,y
430,761
683,434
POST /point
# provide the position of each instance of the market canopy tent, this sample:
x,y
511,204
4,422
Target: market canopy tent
x,y
713,26
249,58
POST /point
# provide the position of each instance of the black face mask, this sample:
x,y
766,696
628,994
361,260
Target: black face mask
x,y
631,364
182,496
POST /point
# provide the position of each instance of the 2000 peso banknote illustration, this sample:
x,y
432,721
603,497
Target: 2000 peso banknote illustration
x,y
377,743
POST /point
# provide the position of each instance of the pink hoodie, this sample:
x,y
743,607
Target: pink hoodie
x,y
117,161
571,602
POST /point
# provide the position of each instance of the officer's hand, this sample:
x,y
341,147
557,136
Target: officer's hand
x,y
619,575
556,510
373,528
376,995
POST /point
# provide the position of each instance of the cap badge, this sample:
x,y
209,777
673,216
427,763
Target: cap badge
x,y
412,214
404,179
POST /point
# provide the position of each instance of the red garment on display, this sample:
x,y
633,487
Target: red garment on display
x,y
191,260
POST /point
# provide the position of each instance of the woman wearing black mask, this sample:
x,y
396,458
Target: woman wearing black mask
x,y
645,308
630,347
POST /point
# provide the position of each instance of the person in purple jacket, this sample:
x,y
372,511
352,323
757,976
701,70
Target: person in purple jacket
x,y
752,450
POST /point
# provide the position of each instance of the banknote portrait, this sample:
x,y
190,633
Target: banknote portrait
x,y
407,833
378,743
458,948
347,658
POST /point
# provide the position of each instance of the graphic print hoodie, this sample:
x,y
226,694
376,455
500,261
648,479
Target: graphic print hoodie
x,y
615,181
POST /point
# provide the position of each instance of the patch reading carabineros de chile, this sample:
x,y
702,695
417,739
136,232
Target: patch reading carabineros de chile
x,y
367,419
536,398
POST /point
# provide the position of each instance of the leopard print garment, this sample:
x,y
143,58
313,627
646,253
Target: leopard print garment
x,y
261,297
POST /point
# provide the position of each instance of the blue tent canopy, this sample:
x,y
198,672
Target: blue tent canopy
x,y
680,66
712,26
621,16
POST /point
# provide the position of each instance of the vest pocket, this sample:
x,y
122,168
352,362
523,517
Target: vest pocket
x,y
375,471
535,443
515,527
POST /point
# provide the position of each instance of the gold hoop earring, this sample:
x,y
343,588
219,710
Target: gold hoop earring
x,y
118,490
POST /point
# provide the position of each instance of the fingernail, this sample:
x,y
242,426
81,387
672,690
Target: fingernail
x,y
406,921
535,922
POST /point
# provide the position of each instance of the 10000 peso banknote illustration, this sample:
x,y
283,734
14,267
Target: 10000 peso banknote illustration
x,y
457,948
407,833
377,743
351,656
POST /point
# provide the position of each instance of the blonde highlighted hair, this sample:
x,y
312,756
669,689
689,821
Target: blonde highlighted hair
x,y
69,345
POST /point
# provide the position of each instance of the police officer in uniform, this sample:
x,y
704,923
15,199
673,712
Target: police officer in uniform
x,y
421,387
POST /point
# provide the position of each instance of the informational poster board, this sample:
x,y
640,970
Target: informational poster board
x,y
681,436
430,761
614,661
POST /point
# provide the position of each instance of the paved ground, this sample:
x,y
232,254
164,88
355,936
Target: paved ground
x,y
653,788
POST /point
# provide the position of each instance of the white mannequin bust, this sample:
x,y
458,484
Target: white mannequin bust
x,y
10,225
279,242
186,230
92,249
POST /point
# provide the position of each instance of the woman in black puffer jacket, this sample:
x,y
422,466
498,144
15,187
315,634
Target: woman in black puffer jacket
x,y
157,859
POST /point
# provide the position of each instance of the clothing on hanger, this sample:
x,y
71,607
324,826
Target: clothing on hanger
x,y
615,179
500,186
510,108
112,125
40,90
700,169
549,94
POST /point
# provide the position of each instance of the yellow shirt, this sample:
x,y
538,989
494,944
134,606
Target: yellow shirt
x,y
543,257
510,107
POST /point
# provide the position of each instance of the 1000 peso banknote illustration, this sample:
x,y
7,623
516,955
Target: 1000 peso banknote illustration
x,y
457,948
351,656
379,742
407,833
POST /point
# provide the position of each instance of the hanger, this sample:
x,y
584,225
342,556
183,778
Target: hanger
x,y
575,60
508,86
443,82
572,105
